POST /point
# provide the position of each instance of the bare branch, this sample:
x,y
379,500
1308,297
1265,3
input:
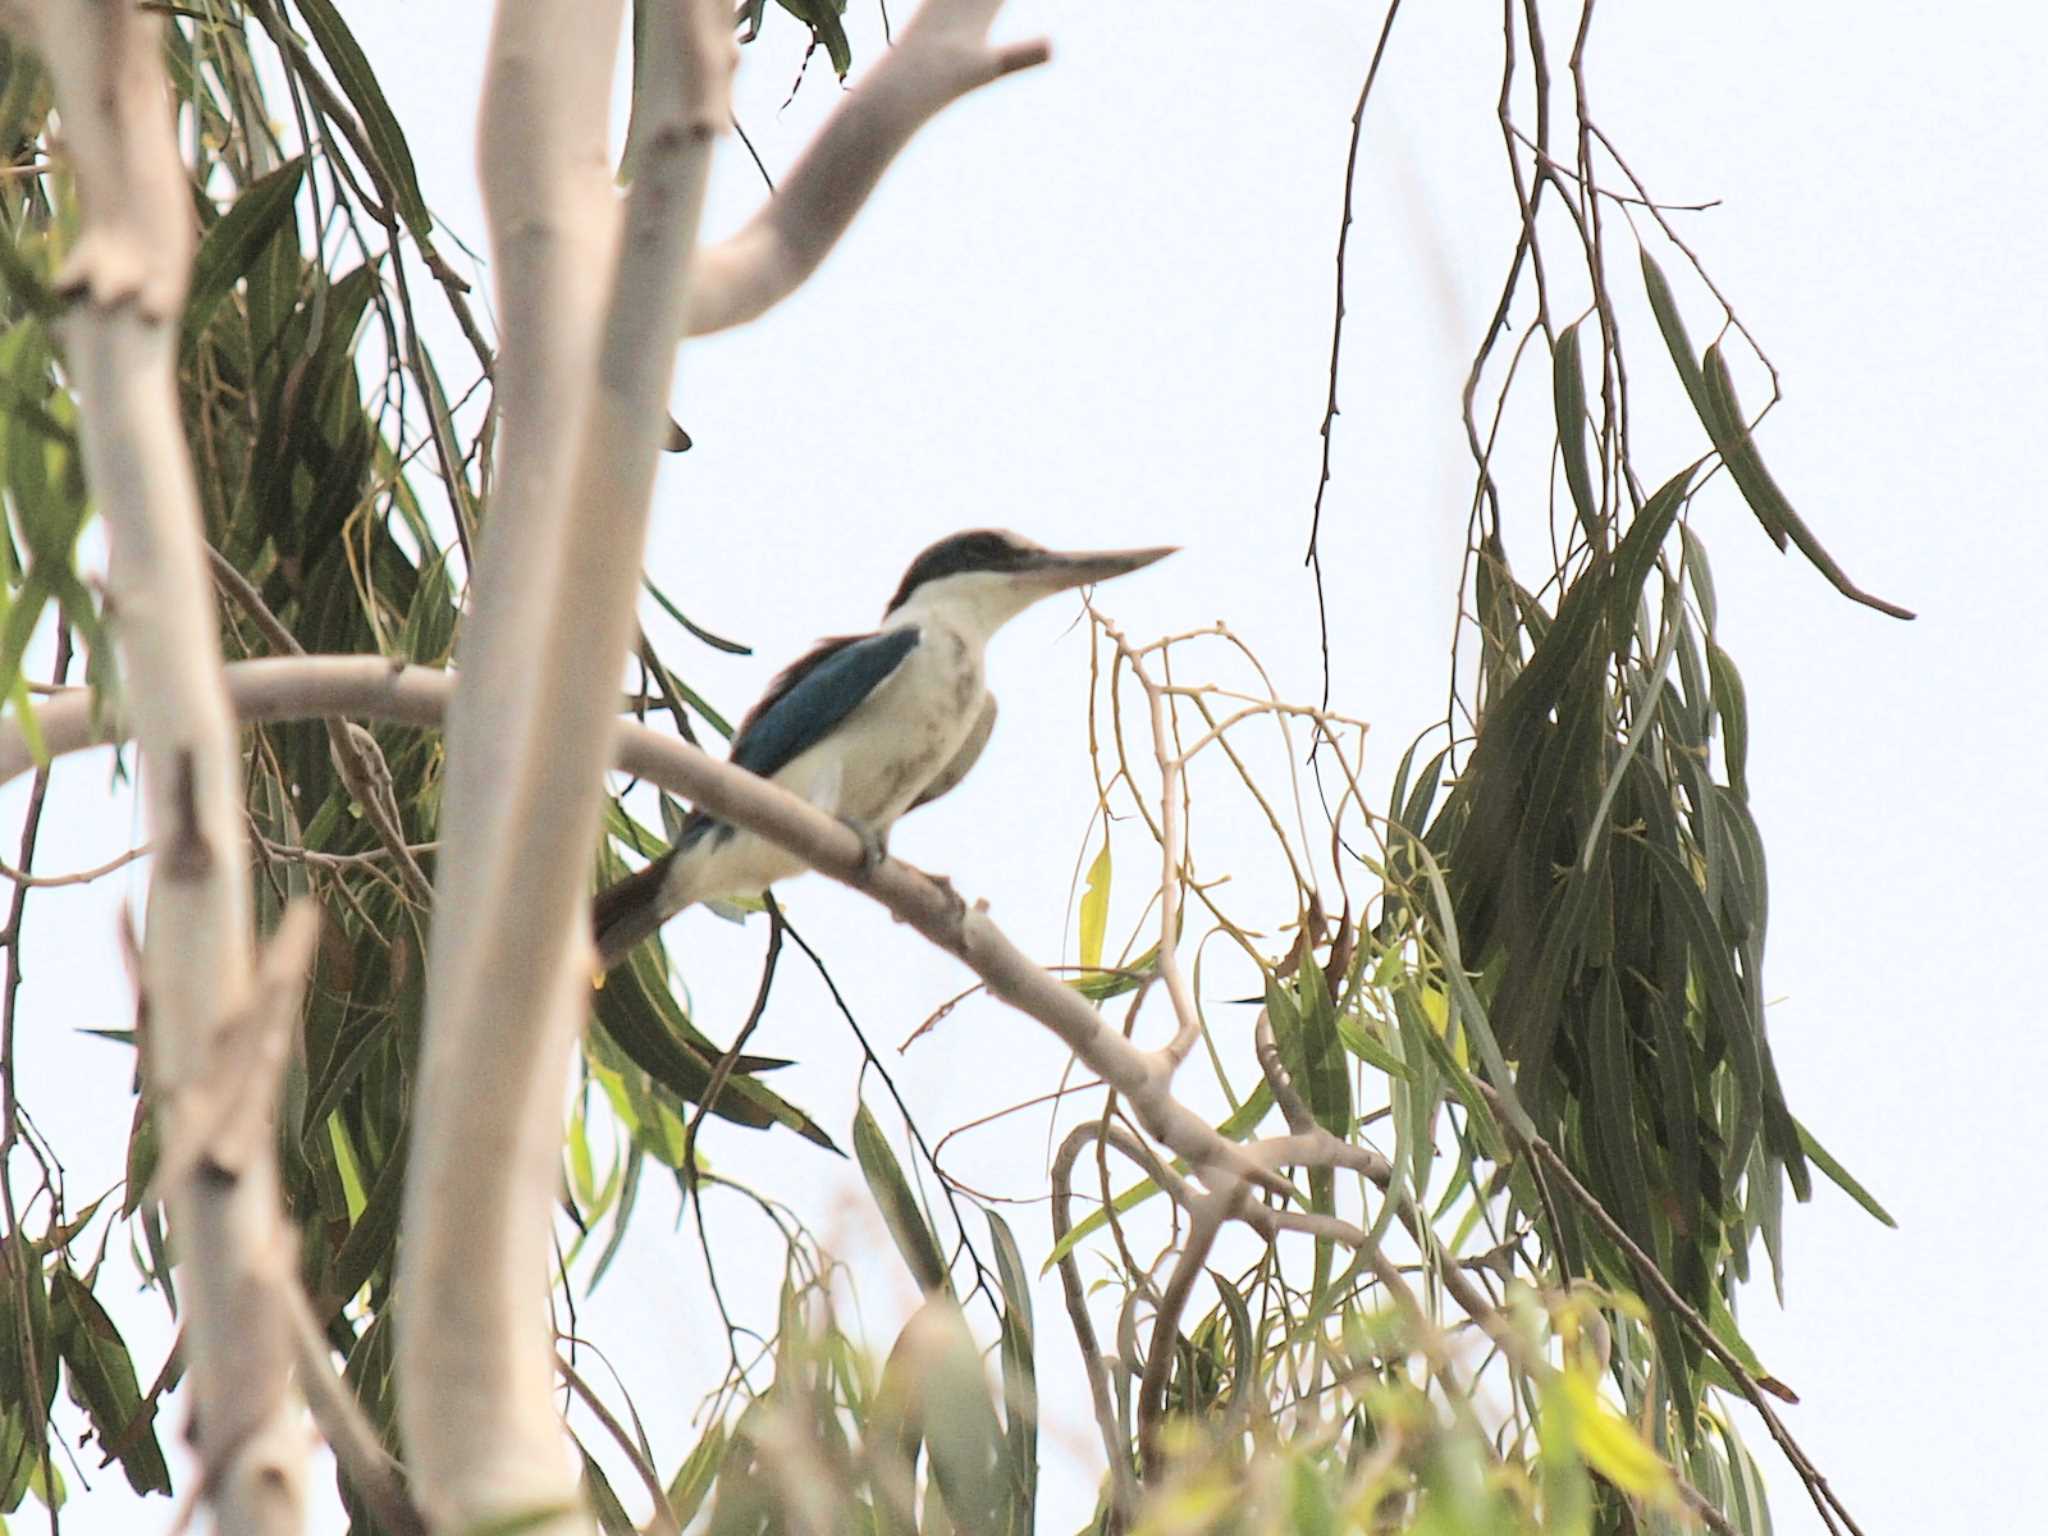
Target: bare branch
x,y
591,293
1123,1491
340,1418
357,757
125,279
942,55
1206,1218
23,878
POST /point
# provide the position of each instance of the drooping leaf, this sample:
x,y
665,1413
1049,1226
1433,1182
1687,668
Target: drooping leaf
x,y
1020,1382
822,17
358,81
1737,445
1095,907
960,1431
1305,1030
1664,305
692,1483
1568,391
899,1207
100,1375
1842,1178
238,239
1611,1445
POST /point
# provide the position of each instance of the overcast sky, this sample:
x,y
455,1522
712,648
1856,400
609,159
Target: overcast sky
x,y
1093,304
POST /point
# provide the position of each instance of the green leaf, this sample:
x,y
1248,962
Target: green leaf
x,y
1726,1001
1637,552
900,1210
1305,1030
1701,575
690,1486
960,1430
1414,1104
1568,391
1020,1381
716,642
1842,1178
1363,1044
1609,1110
1664,305
1737,446
1311,1508
822,17
359,83
637,1012
28,1363
1674,1053
1095,907
100,1376
1101,986
238,240
1733,707
23,273
372,1238
1722,1323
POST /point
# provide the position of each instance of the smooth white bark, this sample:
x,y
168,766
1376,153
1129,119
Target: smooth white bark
x,y
942,55
126,279
590,297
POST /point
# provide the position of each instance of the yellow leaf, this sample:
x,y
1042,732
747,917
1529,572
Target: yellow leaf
x,y
1611,1446
1095,908
1436,1007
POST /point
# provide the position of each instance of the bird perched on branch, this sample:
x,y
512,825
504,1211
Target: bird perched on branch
x,y
865,727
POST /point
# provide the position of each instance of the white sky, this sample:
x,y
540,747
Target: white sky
x,y
1093,304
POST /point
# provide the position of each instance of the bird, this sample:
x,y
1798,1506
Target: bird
x,y
864,727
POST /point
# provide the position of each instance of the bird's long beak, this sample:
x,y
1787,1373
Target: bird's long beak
x,y
1058,570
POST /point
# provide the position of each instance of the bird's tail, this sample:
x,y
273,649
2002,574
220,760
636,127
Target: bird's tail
x,y
630,910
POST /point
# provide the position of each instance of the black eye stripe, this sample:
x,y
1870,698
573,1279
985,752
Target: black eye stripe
x,y
982,549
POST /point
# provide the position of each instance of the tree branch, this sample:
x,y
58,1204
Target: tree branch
x,y
591,294
125,280
942,55
357,757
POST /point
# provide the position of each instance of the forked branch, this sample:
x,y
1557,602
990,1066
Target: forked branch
x,y
942,55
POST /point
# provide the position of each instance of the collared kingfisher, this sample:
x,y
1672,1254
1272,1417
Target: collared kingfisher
x,y
864,727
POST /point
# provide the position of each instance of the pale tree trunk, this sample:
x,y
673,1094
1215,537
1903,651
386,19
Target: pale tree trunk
x,y
594,297
590,297
125,282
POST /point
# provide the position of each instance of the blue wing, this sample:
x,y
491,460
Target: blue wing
x,y
814,695
805,702
799,710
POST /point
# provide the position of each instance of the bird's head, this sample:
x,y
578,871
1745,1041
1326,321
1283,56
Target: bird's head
x,y
993,575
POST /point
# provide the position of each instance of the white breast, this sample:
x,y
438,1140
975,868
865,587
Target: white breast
x,y
906,731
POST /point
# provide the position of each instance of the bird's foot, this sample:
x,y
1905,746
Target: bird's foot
x,y
874,847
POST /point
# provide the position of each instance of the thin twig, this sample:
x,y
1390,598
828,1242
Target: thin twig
x,y
17,1263
1314,557
22,877
664,1522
